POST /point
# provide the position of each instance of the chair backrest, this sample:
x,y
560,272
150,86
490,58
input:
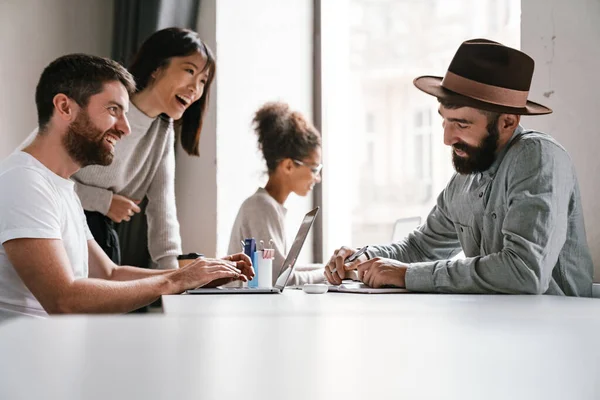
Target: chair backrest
x,y
596,290
404,226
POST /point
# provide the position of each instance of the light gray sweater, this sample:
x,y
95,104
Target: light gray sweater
x,y
261,217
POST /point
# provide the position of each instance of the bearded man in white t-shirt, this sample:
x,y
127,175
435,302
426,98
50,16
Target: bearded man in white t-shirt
x,y
49,261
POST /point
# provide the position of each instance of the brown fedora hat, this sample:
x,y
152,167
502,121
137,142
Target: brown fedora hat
x,y
488,76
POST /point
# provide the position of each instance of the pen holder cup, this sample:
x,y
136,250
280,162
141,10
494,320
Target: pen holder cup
x,y
263,269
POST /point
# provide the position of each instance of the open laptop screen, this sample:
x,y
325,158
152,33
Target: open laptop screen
x,y
288,265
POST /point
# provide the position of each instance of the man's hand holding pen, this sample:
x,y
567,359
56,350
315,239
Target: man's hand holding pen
x,y
340,266
377,272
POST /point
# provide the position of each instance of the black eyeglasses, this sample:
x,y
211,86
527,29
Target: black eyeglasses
x,y
315,169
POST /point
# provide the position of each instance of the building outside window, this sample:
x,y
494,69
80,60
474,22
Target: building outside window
x,y
383,140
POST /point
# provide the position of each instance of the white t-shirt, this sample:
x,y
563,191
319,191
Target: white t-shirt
x,y
37,203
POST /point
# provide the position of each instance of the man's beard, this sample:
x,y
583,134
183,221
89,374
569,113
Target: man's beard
x,y
478,158
84,142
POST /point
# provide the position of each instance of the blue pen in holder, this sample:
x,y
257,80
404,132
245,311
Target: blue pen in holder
x,y
254,281
250,251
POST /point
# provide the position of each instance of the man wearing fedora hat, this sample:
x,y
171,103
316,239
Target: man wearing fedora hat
x,y
513,206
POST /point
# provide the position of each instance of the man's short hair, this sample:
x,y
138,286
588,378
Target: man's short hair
x,y
78,76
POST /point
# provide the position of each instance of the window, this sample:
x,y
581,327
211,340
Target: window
x,y
382,137
422,131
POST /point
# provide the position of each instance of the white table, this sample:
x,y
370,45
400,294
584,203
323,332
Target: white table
x,y
296,302
284,346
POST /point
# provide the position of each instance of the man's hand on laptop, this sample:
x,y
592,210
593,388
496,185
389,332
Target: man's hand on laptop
x,y
380,272
205,271
242,263
336,269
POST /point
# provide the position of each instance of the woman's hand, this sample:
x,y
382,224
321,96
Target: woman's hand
x,y
122,208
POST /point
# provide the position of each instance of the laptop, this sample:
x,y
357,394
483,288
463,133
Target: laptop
x,y
286,269
359,287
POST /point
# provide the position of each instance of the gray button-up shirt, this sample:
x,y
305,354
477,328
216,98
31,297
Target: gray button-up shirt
x,y
520,225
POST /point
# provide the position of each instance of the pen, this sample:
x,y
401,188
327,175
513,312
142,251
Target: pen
x,y
353,257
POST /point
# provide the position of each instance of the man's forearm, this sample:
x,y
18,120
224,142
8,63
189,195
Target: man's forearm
x,y
127,273
503,272
101,296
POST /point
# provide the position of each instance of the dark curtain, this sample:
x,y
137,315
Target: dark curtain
x,y
134,21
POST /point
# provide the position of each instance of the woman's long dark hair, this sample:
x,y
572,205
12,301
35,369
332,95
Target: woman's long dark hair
x,y
155,53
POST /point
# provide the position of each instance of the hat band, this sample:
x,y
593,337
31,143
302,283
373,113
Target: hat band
x,y
484,92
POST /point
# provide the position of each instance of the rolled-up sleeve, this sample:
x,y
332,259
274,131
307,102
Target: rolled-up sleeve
x,y
434,240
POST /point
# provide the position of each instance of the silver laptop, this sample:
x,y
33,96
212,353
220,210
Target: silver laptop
x,y
284,273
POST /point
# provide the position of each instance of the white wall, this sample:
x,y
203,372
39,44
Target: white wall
x,y
196,178
338,137
563,37
32,34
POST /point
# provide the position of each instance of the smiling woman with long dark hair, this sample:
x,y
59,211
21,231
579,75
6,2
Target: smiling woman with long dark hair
x,y
173,71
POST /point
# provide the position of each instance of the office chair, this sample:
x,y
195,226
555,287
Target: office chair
x,y
404,226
